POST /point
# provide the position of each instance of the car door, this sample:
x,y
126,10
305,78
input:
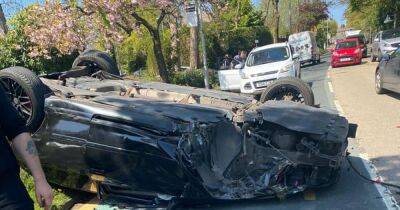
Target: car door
x,y
375,45
61,143
229,79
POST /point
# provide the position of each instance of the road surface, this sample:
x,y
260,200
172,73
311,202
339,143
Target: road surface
x,y
378,117
351,192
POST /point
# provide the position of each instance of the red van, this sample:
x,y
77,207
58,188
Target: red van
x,y
347,52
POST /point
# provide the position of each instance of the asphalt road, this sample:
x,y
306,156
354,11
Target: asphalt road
x,y
378,117
351,192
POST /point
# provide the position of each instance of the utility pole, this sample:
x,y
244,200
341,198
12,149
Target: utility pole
x,y
276,37
290,16
203,44
327,33
194,37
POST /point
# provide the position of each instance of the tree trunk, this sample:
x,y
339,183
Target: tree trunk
x,y
157,48
276,37
175,44
3,23
194,48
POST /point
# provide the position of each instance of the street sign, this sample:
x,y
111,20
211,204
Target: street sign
x,y
190,15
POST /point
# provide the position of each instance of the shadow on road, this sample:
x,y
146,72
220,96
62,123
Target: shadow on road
x,y
350,192
394,95
312,64
388,167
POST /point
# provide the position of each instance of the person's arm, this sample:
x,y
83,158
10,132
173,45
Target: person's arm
x,y
25,148
14,127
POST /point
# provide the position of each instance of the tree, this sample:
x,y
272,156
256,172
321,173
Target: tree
x,y
70,26
370,14
311,13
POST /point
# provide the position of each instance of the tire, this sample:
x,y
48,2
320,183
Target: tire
x,y
373,58
100,59
277,90
32,88
379,83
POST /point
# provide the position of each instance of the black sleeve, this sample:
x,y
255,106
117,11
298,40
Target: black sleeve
x,y
11,123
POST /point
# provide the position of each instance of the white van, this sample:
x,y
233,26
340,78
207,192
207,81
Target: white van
x,y
263,66
305,44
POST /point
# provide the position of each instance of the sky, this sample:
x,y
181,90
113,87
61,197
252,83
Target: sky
x,y
336,12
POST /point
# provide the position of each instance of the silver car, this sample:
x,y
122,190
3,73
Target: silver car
x,y
385,42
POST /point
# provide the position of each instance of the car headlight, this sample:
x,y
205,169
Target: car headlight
x,y
285,69
243,75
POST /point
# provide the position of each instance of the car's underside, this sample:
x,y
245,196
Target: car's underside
x,y
244,151
153,140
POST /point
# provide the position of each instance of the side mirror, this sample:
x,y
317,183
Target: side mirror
x,y
386,57
239,66
296,56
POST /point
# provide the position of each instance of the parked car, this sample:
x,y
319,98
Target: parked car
x,y
387,75
155,142
346,52
305,45
263,66
385,42
361,40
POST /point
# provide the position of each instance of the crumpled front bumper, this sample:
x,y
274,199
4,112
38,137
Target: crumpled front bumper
x,y
280,148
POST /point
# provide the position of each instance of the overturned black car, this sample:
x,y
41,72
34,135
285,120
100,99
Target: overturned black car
x,y
144,141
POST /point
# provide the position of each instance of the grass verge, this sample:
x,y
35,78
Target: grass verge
x,y
60,199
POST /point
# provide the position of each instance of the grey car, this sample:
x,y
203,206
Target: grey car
x,y
387,76
385,42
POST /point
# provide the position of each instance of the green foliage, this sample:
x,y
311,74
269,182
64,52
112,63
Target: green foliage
x,y
370,14
322,30
220,42
59,197
194,78
14,50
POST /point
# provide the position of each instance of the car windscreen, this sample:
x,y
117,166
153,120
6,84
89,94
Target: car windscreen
x,y
360,38
270,55
344,45
391,34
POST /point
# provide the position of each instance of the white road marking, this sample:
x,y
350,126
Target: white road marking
x,y
330,86
339,108
385,193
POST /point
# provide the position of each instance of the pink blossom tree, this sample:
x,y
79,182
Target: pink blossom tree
x,y
68,27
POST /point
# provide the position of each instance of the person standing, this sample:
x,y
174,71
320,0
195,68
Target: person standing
x,y
15,139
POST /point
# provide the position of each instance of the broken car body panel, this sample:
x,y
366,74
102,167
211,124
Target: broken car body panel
x,y
186,149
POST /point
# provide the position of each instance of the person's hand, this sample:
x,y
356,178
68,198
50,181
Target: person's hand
x,y
44,194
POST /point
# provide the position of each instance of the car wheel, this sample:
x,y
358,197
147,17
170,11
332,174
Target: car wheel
x,y
379,83
26,93
289,89
97,59
373,58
